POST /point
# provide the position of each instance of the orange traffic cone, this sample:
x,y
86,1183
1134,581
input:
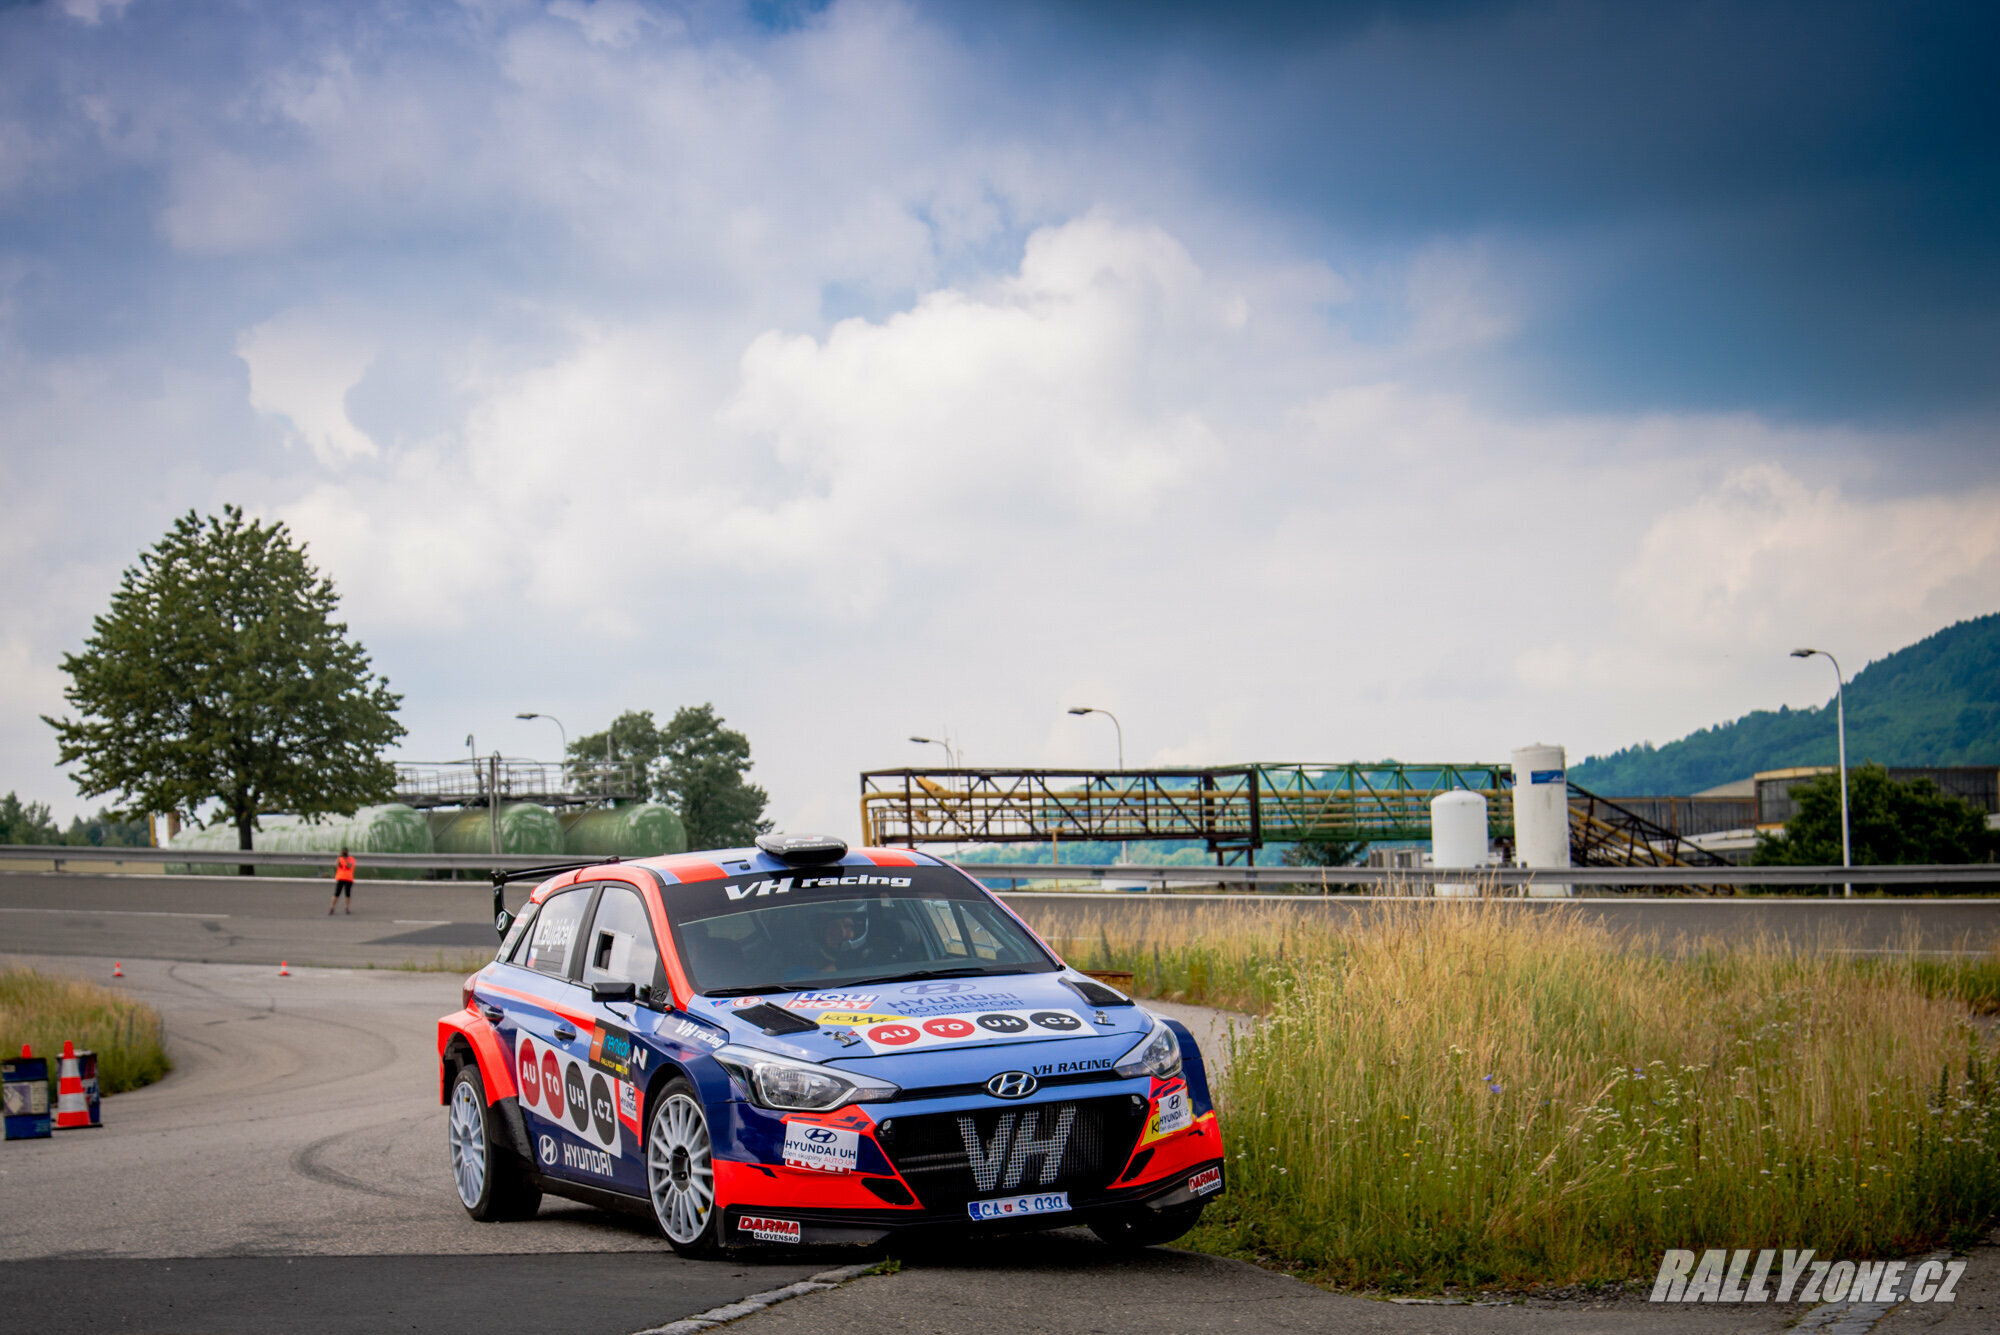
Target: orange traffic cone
x,y
284,969
117,969
72,1108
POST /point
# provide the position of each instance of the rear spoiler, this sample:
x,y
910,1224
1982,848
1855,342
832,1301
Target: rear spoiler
x,y
502,919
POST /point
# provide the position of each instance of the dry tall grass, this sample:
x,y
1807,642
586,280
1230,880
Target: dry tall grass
x,y
1469,1094
44,1010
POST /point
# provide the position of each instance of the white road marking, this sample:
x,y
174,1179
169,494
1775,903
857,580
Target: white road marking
x,y
119,913
425,922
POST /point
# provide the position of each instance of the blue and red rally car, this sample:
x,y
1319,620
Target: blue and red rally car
x,y
798,1043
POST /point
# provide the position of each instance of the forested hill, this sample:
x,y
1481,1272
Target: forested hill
x,y
1935,703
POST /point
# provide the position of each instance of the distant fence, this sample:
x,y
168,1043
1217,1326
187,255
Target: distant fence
x,y
60,854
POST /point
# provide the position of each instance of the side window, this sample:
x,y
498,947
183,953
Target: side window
x,y
555,931
621,941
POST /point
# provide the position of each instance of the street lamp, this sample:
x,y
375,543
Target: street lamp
x,y
950,760
559,728
1124,849
1840,724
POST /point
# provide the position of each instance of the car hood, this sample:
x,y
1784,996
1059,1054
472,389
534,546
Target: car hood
x,y
891,1025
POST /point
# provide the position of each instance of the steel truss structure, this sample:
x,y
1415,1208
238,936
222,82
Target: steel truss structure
x,y
455,783
1234,810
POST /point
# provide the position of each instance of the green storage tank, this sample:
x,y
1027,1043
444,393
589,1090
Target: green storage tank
x,y
524,829
632,830
388,828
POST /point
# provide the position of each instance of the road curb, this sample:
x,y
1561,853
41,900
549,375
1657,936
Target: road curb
x,y
757,1302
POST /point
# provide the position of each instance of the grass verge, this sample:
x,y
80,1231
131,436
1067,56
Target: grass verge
x,y
463,961
44,1010
1465,1096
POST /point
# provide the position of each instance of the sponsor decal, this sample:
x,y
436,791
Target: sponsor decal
x,y
834,882
528,1068
577,1095
700,1033
546,1147
784,885
1720,1276
963,1003
1074,1068
603,1110
1207,1180
1034,1136
735,1003
911,1031
628,1101
858,1017
766,1229
552,1084
586,1158
938,989
825,1148
616,1052
1054,1202
1171,1113
850,1001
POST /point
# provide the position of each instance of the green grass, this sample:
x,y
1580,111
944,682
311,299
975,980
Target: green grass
x,y
43,1010
1460,1095
464,961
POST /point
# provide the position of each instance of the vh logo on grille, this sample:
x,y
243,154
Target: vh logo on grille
x,y
1019,1139
1722,1277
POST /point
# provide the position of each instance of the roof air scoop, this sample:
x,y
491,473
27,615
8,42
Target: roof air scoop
x,y
803,849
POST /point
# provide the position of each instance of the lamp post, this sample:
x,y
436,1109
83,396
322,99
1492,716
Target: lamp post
x,y
1124,849
950,760
1840,727
559,728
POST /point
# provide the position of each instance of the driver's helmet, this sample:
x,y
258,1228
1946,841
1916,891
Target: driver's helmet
x,y
841,928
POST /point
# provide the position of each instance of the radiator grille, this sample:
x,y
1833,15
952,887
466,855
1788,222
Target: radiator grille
x,y
952,1158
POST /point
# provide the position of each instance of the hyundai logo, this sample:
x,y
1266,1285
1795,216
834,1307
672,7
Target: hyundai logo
x,y
548,1149
819,1135
1011,1085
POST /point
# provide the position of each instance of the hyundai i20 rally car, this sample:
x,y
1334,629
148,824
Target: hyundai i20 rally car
x,y
800,1044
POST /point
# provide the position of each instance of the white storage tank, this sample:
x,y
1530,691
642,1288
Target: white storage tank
x,y
1458,836
1541,813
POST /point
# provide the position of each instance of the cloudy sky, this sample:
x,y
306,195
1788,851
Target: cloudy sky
x,y
1362,380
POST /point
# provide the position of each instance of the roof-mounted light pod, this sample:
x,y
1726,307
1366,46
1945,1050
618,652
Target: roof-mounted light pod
x,y
803,849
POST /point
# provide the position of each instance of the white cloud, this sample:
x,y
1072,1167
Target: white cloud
x,y
301,369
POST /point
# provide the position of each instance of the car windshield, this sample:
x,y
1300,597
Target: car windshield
x,y
834,926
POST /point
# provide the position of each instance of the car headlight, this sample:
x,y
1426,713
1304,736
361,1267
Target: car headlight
x,y
786,1085
1158,1054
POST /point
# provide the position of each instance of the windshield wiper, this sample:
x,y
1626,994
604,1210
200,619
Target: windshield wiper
x,y
918,975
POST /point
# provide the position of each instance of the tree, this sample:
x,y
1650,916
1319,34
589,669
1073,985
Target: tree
x,y
701,775
1889,822
1323,849
26,822
220,674
632,739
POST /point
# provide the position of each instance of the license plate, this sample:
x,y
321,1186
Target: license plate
x,y
1013,1207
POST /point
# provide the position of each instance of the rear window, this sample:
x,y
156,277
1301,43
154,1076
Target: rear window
x,y
820,927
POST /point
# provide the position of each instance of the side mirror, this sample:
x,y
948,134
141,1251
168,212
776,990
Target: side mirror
x,y
602,992
501,922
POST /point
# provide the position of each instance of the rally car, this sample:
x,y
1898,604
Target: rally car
x,y
801,1044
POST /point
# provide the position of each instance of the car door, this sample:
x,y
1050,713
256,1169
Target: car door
x,y
545,1013
619,948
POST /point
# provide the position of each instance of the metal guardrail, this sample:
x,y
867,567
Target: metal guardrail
x,y
61,853
1506,877
1245,877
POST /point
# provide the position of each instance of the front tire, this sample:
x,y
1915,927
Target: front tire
x,y
680,1171
1147,1228
493,1184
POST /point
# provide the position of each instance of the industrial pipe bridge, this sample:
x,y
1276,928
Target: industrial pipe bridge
x,y
1235,810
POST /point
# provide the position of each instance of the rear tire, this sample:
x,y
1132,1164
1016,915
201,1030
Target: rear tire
x,y
680,1171
493,1184
1141,1227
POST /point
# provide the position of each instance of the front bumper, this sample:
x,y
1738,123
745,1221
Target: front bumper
x,y
746,1224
